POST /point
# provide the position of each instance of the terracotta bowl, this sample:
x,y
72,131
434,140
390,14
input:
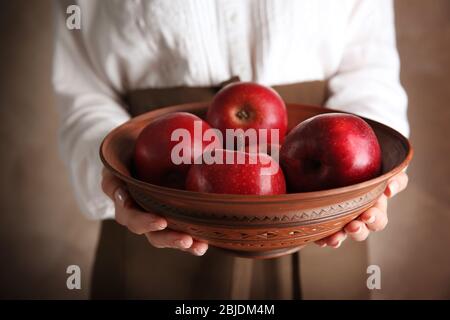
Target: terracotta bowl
x,y
254,226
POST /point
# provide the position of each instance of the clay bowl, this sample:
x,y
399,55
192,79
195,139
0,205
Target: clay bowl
x,y
254,226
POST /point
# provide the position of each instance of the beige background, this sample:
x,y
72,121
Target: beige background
x,y
42,231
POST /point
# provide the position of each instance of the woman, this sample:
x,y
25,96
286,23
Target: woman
x,y
132,56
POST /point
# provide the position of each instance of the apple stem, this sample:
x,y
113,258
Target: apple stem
x,y
243,114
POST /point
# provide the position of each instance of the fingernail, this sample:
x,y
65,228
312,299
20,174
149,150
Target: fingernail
x,y
157,226
321,243
199,252
393,188
157,223
120,195
161,226
336,245
370,219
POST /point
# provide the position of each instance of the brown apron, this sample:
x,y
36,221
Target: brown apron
x,y
127,266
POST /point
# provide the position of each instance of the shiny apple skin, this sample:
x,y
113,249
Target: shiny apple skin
x,y
152,153
245,179
329,151
244,105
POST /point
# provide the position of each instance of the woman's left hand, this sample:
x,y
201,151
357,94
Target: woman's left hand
x,y
373,219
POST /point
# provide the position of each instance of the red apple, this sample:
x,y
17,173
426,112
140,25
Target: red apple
x,y
245,105
329,151
153,158
272,149
262,177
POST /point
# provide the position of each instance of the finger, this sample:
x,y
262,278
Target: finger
x,y
334,241
375,217
357,230
170,239
321,243
198,248
110,183
137,221
396,184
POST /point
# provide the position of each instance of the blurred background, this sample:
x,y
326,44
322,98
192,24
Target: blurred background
x,y
42,231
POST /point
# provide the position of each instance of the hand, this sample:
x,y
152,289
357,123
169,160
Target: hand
x,y
140,222
373,219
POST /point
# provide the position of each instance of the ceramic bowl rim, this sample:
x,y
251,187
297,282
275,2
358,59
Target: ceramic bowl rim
x,y
229,198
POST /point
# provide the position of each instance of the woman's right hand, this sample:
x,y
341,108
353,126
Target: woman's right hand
x,y
140,222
